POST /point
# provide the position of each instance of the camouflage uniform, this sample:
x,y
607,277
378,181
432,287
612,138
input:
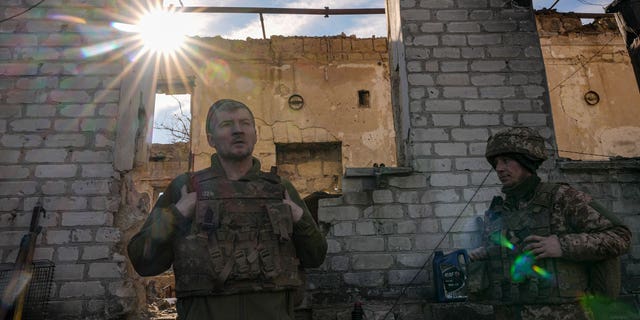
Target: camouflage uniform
x,y
152,251
586,232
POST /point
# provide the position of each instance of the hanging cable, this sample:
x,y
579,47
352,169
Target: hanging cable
x,y
458,216
21,13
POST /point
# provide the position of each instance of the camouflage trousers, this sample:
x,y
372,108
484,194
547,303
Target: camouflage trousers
x,y
569,311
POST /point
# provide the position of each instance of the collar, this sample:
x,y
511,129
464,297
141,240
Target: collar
x,y
218,170
522,191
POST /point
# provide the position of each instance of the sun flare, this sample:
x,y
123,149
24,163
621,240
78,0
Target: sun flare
x,y
162,31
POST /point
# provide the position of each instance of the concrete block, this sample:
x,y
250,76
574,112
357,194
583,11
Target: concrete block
x,y
455,40
446,52
533,119
427,40
92,156
356,198
67,254
388,211
342,229
482,105
93,187
412,260
452,209
454,66
407,196
81,289
364,279
432,27
57,236
69,96
448,195
371,261
108,235
481,120
404,277
97,171
405,227
504,51
333,246
95,252
21,188
496,79
460,92
101,125
328,214
78,110
104,270
430,135
436,4
421,149
84,218
449,180
66,140
67,125
488,65
463,27
432,165
382,196
14,172
470,134
56,171
339,263
443,105
358,244
429,226
420,79
415,14
409,182
9,156
450,149
430,241
419,211
453,79
473,53
29,125
365,228
452,15
69,272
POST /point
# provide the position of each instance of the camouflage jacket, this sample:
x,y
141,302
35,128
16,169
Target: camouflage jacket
x,y
586,230
151,249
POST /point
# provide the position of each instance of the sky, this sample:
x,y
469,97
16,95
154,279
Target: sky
x,y
242,26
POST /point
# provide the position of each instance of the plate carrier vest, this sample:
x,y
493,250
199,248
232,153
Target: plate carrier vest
x,y
569,280
240,240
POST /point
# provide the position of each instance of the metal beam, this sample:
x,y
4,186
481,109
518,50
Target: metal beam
x,y
325,12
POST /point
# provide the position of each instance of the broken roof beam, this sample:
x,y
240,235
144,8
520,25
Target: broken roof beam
x,y
326,11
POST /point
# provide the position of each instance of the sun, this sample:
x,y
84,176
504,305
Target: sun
x,y
162,31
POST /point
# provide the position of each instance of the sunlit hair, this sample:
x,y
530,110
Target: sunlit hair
x,y
225,105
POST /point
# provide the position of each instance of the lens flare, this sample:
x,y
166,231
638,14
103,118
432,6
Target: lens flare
x,y
216,71
162,31
541,272
500,239
67,18
599,307
523,267
99,49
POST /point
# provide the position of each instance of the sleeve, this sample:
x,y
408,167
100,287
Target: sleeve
x,y
310,243
151,249
594,232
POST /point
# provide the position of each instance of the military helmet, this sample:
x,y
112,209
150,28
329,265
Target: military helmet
x,y
520,140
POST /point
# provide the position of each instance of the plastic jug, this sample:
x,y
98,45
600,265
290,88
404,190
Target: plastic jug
x,y
450,275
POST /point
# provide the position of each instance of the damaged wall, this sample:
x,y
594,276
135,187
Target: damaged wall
x,y
328,72
592,87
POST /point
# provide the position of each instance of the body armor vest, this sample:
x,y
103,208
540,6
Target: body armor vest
x,y
240,240
567,280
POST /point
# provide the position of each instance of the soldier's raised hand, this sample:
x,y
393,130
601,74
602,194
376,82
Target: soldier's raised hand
x,y
187,203
543,247
296,210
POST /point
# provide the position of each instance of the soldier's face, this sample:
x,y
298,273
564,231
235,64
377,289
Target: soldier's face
x,y
233,134
510,172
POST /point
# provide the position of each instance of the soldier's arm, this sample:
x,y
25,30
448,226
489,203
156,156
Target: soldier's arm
x,y
595,233
310,243
151,249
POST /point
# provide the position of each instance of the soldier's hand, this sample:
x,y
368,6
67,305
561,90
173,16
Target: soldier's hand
x,y
296,210
478,254
187,203
543,247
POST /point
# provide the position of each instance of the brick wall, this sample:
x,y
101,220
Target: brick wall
x,y
472,68
58,109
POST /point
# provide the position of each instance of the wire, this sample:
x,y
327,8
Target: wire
x,y
404,289
21,13
584,64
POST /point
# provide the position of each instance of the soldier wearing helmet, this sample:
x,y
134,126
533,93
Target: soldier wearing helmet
x,y
235,236
543,243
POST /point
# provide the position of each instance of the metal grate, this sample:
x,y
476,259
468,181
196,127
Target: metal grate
x,y
37,299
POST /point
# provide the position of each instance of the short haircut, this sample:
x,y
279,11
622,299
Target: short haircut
x,y
225,105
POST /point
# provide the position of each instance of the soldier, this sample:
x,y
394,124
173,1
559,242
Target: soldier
x,y
545,245
235,235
